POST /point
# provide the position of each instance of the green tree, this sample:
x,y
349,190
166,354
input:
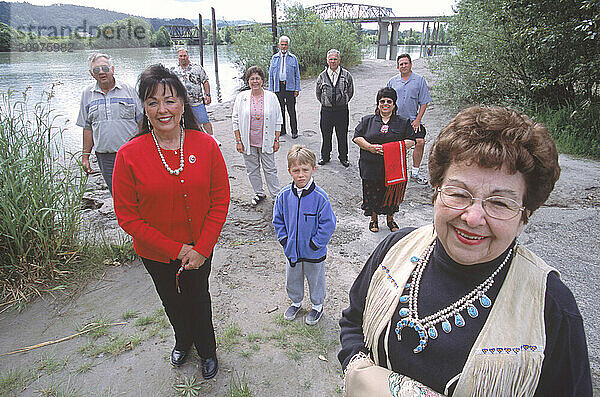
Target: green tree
x,y
162,38
252,47
310,37
5,37
542,57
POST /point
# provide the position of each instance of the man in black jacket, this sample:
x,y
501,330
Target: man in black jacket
x,y
334,90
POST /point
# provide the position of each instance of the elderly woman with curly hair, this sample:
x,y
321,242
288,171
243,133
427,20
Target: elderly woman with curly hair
x,y
459,307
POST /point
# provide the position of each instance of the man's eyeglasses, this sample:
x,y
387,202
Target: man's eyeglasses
x,y
386,101
104,68
497,207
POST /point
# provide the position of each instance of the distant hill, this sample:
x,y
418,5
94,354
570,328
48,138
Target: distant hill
x,y
25,16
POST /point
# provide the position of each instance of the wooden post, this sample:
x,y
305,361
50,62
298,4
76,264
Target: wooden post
x,y
274,25
200,40
422,34
214,30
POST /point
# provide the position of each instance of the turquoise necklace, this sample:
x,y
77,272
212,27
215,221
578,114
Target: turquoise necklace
x,y
425,327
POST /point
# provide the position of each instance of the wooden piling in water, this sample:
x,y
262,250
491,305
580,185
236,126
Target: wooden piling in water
x,y
214,30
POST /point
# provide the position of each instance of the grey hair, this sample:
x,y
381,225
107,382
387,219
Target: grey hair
x,y
92,58
284,38
182,49
334,51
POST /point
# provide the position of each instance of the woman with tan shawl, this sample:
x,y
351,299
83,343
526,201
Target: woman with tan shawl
x,y
460,307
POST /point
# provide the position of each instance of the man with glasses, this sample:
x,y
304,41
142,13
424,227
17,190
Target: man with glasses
x,y
413,97
109,113
335,88
284,81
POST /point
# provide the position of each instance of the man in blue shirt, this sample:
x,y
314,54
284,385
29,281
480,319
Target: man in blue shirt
x,y
284,81
413,97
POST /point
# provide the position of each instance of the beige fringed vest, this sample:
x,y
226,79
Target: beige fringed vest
x,y
506,359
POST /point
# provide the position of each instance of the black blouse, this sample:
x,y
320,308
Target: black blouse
x,y
565,369
370,127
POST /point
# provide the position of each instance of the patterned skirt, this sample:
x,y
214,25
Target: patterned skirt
x,y
373,198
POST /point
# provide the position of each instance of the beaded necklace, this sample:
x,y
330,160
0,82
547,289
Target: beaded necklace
x,y
181,162
425,327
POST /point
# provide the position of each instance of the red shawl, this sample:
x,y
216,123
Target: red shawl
x,y
394,158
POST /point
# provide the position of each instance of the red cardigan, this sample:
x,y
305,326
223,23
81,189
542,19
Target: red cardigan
x,y
162,211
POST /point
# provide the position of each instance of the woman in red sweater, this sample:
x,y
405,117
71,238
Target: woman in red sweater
x,y
171,194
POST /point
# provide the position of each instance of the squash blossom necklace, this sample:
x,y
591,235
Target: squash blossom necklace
x,y
425,327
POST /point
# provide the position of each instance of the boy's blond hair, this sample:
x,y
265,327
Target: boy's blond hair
x,y
300,154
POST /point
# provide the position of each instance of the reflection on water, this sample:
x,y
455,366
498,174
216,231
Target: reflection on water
x,y
67,74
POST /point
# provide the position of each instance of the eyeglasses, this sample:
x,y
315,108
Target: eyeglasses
x,y
497,207
104,68
386,101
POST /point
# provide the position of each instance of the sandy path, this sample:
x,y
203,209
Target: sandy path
x,y
248,278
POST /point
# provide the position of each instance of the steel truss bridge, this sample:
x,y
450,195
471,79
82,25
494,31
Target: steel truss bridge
x,y
351,12
182,32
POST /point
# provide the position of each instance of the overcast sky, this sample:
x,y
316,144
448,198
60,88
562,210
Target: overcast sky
x,y
253,10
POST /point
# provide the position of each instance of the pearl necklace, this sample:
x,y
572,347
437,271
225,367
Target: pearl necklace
x,y
181,162
425,327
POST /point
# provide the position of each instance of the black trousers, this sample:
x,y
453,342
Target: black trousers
x,y
287,99
189,312
339,119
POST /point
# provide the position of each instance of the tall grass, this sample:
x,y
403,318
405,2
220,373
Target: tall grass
x,y
575,128
41,190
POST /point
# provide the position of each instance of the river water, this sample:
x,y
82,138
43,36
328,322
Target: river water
x,y
37,72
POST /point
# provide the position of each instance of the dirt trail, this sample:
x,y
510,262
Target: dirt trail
x,y
247,281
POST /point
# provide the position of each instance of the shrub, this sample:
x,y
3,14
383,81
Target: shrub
x,y
310,36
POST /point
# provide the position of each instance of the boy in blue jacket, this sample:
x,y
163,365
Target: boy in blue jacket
x,y
304,222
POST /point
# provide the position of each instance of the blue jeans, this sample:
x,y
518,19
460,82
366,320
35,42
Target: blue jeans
x,y
106,163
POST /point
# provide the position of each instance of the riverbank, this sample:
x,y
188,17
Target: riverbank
x,y
247,281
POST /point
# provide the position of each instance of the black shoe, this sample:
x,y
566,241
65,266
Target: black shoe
x,y
178,357
323,162
294,135
282,133
210,367
345,163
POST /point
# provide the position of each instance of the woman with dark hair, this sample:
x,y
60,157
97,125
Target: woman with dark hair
x,y
171,194
371,134
459,307
257,123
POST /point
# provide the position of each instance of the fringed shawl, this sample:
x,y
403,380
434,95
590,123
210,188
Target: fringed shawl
x,y
506,359
383,295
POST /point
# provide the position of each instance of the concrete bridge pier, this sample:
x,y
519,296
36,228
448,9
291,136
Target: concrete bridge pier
x,y
394,42
382,41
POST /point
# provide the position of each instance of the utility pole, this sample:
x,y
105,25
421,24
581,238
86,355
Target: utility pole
x,y
274,24
214,30
200,40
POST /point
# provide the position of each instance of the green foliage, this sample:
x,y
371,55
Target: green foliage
x,y
575,128
518,51
310,39
162,38
238,386
252,47
126,33
41,190
542,55
189,387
